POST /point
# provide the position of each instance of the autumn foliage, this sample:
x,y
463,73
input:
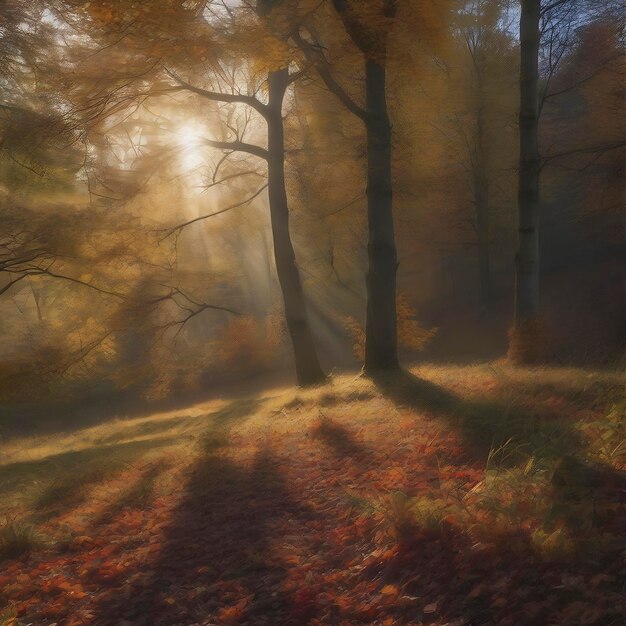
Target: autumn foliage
x,y
411,335
490,495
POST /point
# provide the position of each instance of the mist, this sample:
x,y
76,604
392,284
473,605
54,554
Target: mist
x,y
217,215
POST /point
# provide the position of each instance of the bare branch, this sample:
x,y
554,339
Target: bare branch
x,y
179,227
230,177
238,146
11,283
315,55
217,96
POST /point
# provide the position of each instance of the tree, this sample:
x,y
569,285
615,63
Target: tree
x,y
547,32
481,98
525,340
110,20
368,29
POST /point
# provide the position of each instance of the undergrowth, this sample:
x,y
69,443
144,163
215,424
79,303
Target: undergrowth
x,y
411,493
16,538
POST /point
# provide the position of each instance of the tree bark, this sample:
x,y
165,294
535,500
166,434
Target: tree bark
x,y
308,369
525,340
381,344
481,199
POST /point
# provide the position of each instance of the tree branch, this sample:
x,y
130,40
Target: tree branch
x,y
179,227
238,146
11,283
230,177
218,96
317,57
47,272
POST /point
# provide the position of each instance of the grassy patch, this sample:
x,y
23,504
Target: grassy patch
x,y
70,489
8,617
16,539
138,496
457,493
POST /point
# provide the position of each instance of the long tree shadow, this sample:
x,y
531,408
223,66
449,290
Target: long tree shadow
x,y
217,551
339,440
62,416
586,501
485,425
450,578
62,481
138,496
512,432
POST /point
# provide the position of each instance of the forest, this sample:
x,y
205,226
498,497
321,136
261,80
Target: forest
x,y
312,312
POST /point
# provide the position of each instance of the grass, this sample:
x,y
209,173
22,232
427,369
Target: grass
x,y
16,539
480,460
8,617
139,495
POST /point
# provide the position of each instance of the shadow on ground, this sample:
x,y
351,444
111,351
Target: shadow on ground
x,y
217,549
60,482
339,440
61,416
482,582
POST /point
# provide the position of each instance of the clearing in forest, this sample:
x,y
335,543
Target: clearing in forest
x,y
444,495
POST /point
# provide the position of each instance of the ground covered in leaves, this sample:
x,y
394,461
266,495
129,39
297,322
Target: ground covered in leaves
x,y
476,495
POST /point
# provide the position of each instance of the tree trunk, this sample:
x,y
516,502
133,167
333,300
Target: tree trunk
x,y
525,339
381,344
481,198
308,369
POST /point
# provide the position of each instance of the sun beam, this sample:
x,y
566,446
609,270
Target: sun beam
x,y
189,138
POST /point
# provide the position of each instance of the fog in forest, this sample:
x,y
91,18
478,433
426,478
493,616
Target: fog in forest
x,y
205,199
136,242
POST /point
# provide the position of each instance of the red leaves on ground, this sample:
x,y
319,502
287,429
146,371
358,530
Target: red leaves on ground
x,y
300,534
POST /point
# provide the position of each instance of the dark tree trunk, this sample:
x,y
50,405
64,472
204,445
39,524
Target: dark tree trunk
x,y
308,369
381,344
525,336
481,198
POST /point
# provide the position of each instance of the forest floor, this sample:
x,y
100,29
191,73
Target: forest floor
x,y
445,495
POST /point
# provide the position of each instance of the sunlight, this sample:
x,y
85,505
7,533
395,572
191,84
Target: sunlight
x,y
189,138
284,342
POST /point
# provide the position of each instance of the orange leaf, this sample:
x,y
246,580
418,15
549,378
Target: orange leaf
x,y
233,613
390,590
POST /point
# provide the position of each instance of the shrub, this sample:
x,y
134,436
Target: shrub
x,y
16,538
249,343
411,334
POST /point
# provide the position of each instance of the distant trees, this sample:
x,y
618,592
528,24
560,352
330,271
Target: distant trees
x,y
481,109
548,31
525,335
94,100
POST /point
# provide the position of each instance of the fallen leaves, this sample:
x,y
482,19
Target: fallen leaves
x,y
361,523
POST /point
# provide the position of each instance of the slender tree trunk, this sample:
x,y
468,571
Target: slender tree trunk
x,y
308,369
481,198
381,344
525,335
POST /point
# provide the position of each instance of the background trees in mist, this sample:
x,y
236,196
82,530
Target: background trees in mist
x,y
111,166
